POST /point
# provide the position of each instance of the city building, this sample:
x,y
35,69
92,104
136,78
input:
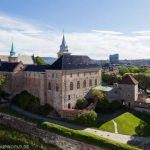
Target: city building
x,y
114,59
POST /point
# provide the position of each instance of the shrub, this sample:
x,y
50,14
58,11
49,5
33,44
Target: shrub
x,y
81,103
105,106
26,101
44,110
114,105
102,106
87,118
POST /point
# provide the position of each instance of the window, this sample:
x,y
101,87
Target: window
x,y
78,74
57,87
68,97
84,74
53,75
95,81
69,105
78,85
90,82
71,85
84,83
49,86
70,74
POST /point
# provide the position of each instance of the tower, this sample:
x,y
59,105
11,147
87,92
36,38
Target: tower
x,y
12,56
63,48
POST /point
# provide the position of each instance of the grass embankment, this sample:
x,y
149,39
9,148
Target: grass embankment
x,y
130,124
10,136
75,134
109,126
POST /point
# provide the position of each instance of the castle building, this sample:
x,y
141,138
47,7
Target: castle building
x,y
13,57
125,91
69,78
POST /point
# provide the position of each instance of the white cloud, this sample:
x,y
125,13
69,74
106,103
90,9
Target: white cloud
x,y
98,44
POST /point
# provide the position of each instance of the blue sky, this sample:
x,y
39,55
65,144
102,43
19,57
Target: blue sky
x,y
105,26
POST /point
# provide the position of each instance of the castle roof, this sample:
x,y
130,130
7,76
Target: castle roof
x,y
7,66
70,62
128,79
37,68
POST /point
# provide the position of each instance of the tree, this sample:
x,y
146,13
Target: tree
x,y
96,95
40,61
111,78
87,118
81,103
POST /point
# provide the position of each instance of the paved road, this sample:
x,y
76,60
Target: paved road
x,y
113,136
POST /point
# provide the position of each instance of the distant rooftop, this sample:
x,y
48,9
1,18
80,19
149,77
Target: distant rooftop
x,y
128,79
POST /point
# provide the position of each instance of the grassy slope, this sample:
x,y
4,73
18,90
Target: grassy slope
x,y
129,124
109,126
14,137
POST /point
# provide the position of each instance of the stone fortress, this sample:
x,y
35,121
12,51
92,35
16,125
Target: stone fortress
x,y
69,78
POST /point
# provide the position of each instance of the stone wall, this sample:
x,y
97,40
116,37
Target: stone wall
x,y
48,137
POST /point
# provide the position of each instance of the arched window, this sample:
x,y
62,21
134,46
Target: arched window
x,y
95,81
90,82
84,83
71,85
69,105
49,86
78,84
57,87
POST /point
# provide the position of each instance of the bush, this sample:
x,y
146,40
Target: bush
x,y
87,118
44,110
26,101
81,103
114,105
105,106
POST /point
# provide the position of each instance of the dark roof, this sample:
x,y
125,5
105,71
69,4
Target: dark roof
x,y
7,66
37,68
128,79
69,62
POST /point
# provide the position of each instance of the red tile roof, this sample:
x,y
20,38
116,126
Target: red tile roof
x,y
128,79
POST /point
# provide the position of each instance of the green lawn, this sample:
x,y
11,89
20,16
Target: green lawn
x,y
108,126
130,124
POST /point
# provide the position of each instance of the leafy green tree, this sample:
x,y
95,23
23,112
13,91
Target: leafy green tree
x,y
81,103
40,61
87,118
123,70
111,78
96,95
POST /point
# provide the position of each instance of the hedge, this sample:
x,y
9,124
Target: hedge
x,y
85,137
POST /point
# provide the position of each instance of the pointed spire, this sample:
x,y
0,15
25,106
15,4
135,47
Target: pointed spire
x,y
63,47
12,52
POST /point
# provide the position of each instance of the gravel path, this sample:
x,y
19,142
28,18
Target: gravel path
x,y
115,126
113,136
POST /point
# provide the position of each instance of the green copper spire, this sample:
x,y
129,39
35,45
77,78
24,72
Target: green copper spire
x,y
12,52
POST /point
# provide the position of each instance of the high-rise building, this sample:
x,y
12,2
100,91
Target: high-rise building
x,y
114,59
